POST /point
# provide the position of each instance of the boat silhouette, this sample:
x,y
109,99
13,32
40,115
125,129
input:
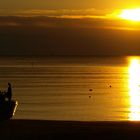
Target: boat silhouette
x,y
8,109
8,106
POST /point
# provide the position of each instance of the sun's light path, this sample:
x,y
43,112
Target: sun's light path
x,y
130,14
134,89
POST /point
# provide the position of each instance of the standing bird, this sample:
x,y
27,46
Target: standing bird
x,y
90,90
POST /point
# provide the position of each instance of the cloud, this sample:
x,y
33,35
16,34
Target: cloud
x,y
83,18
67,21
54,22
94,13
50,18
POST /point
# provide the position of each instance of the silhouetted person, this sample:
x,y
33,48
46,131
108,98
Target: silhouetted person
x,y
9,92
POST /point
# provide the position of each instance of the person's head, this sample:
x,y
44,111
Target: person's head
x,y
9,84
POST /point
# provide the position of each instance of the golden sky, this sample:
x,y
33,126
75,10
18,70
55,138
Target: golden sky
x,y
67,4
64,7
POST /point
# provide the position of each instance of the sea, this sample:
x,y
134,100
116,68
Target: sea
x,y
73,88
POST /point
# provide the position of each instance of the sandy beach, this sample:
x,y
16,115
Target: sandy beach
x,y
68,130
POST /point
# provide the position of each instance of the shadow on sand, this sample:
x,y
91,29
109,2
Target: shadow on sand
x,y
68,130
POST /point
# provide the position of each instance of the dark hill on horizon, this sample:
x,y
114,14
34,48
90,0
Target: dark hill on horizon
x,y
64,36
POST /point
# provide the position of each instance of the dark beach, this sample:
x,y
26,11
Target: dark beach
x,y
68,130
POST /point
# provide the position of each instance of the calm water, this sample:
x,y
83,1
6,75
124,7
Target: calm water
x,y
74,88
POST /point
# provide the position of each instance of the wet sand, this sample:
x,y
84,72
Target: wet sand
x,y
68,130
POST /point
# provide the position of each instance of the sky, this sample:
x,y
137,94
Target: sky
x,y
14,7
67,27
8,7
67,4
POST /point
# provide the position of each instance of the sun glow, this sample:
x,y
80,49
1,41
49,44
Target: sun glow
x,y
134,89
130,14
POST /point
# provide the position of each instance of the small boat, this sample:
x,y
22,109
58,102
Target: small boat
x,y
7,105
8,109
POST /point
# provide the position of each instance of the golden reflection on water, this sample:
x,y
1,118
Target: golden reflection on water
x,y
134,89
